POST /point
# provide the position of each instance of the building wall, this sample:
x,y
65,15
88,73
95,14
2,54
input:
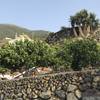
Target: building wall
x,y
59,86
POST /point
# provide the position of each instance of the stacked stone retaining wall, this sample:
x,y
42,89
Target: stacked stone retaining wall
x,y
59,86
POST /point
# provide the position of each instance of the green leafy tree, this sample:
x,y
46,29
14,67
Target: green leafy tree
x,y
28,54
84,53
42,54
63,54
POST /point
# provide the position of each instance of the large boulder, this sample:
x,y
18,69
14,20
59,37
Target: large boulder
x,y
60,94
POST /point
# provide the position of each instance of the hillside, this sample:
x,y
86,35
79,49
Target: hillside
x,y
40,34
8,30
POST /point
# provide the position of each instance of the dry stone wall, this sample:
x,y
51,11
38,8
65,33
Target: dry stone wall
x,y
59,86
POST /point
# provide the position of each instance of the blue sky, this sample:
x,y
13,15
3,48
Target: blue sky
x,y
43,14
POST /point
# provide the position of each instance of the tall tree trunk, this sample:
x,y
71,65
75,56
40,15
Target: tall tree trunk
x,y
85,29
96,31
88,29
75,33
81,32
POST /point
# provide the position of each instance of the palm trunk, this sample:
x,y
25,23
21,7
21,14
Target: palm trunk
x,y
96,31
88,29
75,33
81,32
85,29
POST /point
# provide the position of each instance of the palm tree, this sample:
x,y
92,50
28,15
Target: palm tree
x,y
86,22
79,23
92,22
72,18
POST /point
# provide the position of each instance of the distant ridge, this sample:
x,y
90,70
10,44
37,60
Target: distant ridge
x,y
9,30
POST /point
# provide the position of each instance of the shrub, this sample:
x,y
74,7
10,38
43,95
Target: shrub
x,y
63,54
3,70
27,53
84,52
75,54
42,54
13,56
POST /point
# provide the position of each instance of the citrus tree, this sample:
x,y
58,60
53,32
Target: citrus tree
x,y
84,53
28,54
